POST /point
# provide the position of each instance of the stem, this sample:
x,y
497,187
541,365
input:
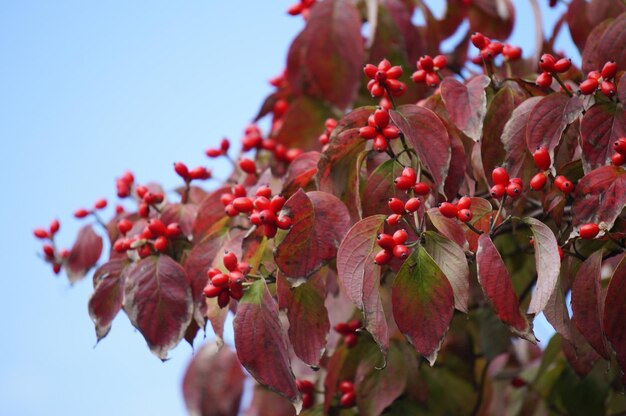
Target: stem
x,y
99,220
509,73
562,84
481,388
185,196
410,224
471,227
495,219
393,103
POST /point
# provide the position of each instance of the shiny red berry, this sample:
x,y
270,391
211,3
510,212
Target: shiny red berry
x,y
248,166
588,86
465,215
383,257
400,236
448,210
514,190
160,244
465,202
500,176
385,241
562,65
588,231
412,205
544,80
542,158
497,191
564,184
609,70
546,62
538,181
620,146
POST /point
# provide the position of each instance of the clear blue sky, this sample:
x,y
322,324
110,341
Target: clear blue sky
x,y
87,90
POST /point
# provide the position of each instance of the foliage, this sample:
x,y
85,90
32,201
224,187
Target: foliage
x,y
409,245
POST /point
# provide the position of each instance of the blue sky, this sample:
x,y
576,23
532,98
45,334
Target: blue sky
x,y
87,90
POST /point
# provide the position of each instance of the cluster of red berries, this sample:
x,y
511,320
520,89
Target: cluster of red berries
x,y
154,238
98,205
148,199
303,8
600,79
619,157
49,251
124,184
489,49
263,209
198,173
392,246
384,79
428,70
253,139
307,390
407,181
504,186
379,130
550,66
220,151
460,210
279,109
543,162
330,125
349,332
225,286
348,396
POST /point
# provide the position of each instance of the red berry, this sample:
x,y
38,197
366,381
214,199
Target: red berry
x,y
609,70
81,213
448,210
511,53
400,236
538,181
124,226
200,173
220,280
383,257
546,62
230,261
143,210
432,79
514,190
160,244
264,191
618,159
368,132
419,76
396,206
588,86
48,250
421,188
370,70
120,246
348,399
608,88
497,191
307,400
479,40
346,386
412,205
404,183
182,170
350,340
381,118
284,222
394,72
40,233
440,62
394,219
426,63
500,176
391,132
401,251
542,158
277,203
410,173
464,203
248,166
465,215
563,184
562,65
173,230
305,386
588,231
223,299
157,227
243,204
544,80
385,241
343,328
56,268
518,382
620,146
380,144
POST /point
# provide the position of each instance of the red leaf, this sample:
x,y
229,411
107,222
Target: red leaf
x,y
268,403
548,120
213,382
300,172
183,214
614,312
466,104
379,187
494,18
423,303
514,136
451,259
84,253
106,300
325,59
600,127
587,302
547,261
600,196
449,227
303,123
360,277
496,284
158,302
458,162
610,38
308,317
261,343
429,138
211,216
319,222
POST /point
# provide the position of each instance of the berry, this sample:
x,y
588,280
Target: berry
x,y
421,188
538,181
562,65
465,215
400,236
426,63
124,226
514,190
618,159
396,206
448,210
81,213
440,62
383,257
220,280
609,70
40,233
409,173
588,231
464,203
157,227
544,80
346,386
620,146
350,340
404,183
479,40
160,244
546,62
54,226
542,158
394,219
563,184
182,170
48,250
401,251
385,241
511,53
248,166
500,176
348,399
173,230
412,205
380,144
243,204
200,173
497,191
588,86
608,88
518,382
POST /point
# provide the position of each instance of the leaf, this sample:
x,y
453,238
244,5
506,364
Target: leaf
x,y
379,187
466,104
360,277
106,300
548,120
600,196
325,59
497,286
587,302
429,138
514,136
458,162
267,403
494,18
300,172
547,261
303,122
211,216
183,214
319,222
84,253
614,312
600,127
448,227
213,382
451,259
261,343
158,302
610,38
308,318
423,303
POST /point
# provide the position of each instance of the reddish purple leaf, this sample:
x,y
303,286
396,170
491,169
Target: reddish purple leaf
x,y
158,302
557,315
300,172
606,43
497,286
379,187
268,403
514,136
213,382
458,162
319,222
548,120
587,303
308,318
106,300
429,138
211,216
600,127
448,227
600,196
84,253
360,277
183,214
548,264
466,104
325,59
258,329
303,123
451,259
614,312
494,18
423,303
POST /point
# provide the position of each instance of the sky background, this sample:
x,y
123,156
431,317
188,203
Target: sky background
x,y
87,90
